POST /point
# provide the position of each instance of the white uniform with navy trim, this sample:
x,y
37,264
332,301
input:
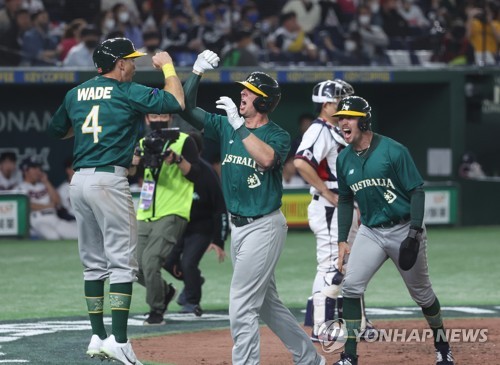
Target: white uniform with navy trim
x,y
320,146
45,223
12,182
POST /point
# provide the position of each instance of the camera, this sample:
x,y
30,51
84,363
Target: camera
x,y
155,145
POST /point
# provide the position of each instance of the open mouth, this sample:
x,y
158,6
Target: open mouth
x,y
346,132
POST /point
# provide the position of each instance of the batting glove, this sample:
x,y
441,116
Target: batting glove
x,y
408,251
207,60
231,109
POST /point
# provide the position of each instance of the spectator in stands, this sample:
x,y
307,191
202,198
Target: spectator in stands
x,y
152,40
71,37
308,14
176,36
455,48
81,54
128,23
44,201
394,25
374,41
347,11
10,175
106,23
204,35
39,47
483,31
289,43
354,54
242,51
7,14
129,4
414,16
33,5
11,41
223,15
249,17
65,210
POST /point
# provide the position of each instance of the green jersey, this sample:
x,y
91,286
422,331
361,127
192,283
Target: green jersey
x,y
106,115
380,180
248,191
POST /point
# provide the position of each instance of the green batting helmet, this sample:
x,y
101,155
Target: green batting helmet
x,y
356,106
266,88
111,50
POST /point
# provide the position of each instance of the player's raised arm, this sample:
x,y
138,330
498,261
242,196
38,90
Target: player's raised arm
x,y
207,60
163,61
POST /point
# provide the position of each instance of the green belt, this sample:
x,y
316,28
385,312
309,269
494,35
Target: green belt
x,y
104,169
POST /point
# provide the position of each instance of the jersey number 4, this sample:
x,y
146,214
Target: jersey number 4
x,y
91,124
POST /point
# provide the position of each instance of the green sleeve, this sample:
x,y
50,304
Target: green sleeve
x,y
345,207
192,114
280,143
417,206
145,99
60,123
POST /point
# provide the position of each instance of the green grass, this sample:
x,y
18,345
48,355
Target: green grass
x,y
44,279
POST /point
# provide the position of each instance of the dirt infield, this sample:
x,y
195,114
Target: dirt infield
x,y
214,347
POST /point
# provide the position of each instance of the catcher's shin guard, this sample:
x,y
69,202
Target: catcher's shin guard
x,y
323,311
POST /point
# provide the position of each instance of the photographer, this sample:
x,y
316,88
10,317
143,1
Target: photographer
x,y
171,163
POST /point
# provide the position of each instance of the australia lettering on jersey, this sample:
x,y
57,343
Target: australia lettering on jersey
x,y
372,182
94,93
238,160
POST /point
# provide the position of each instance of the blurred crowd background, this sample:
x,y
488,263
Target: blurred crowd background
x,y
260,32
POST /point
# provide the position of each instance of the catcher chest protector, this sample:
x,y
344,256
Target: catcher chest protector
x,y
267,89
331,91
356,106
108,52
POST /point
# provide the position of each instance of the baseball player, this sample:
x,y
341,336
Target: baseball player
x,y
315,160
104,114
10,175
253,149
44,200
380,175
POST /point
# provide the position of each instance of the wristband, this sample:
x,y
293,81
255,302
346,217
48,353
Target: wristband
x,y
168,70
243,132
179,159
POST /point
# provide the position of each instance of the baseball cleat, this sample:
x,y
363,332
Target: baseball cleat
x,y
192,308
346,359
94,348
154,319
444,357
121,352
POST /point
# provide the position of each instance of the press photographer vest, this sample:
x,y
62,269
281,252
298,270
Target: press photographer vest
x,y
173,193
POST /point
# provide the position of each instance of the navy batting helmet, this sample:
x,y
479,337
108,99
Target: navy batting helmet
x,y
356,106
266,88
111,50
331,91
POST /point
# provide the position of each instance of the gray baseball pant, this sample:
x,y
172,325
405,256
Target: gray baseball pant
x,y
255,251
372,247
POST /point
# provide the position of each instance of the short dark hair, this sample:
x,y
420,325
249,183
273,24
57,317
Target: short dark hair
x,y
8,156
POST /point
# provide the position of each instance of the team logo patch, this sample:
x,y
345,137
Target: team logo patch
x,y
253,181
390,196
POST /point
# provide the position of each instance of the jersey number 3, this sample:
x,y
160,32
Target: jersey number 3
x,y
91,124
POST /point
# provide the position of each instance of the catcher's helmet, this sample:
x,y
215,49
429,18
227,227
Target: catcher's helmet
x,y
331,91
266,88
108,52
356,106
